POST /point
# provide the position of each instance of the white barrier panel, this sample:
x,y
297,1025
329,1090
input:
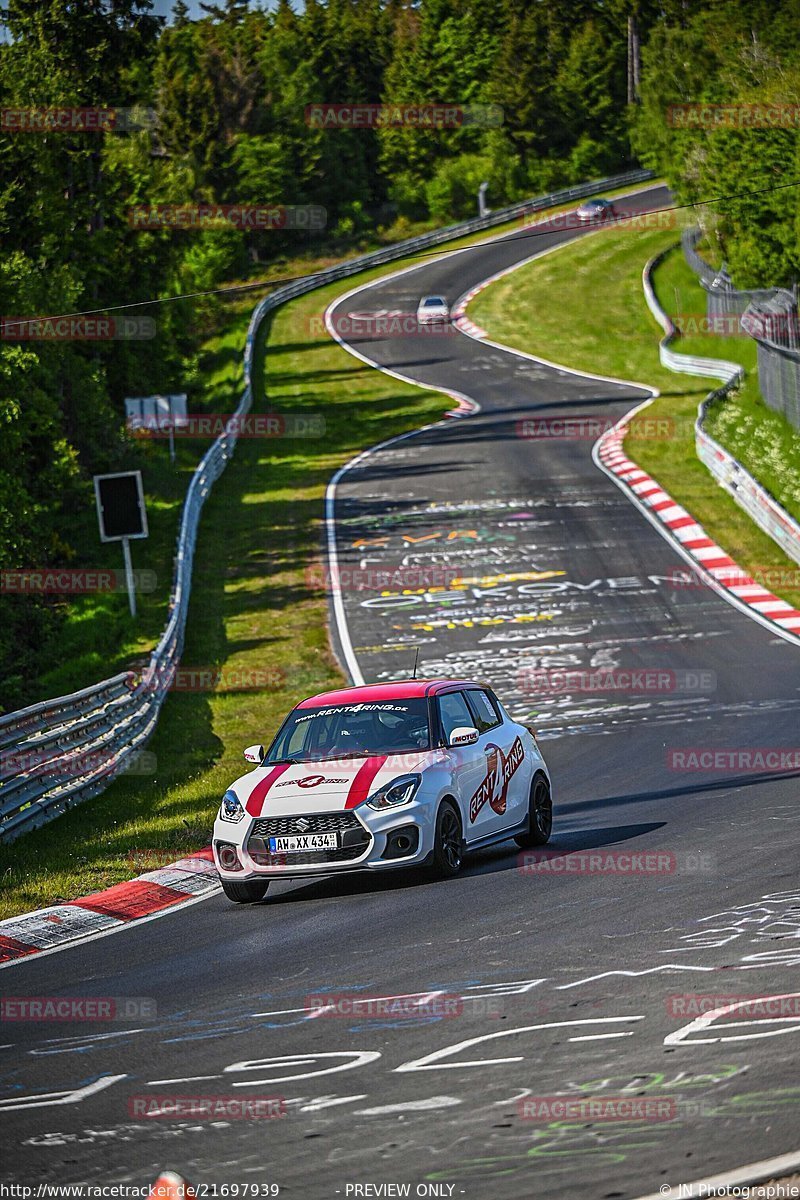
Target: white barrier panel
x,y
763,508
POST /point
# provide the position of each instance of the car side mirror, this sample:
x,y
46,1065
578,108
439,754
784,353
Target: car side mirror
x,y
254,754
463,735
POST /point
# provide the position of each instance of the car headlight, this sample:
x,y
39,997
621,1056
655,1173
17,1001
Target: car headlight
x,y
231,809
399,791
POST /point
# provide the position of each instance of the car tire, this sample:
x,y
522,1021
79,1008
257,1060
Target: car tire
x,y
540,815
249,891
448,842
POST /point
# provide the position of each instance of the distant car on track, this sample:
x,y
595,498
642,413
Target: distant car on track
x,y
432,308
599,209
387,775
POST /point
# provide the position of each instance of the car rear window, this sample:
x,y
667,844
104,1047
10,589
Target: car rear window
x,y
434,302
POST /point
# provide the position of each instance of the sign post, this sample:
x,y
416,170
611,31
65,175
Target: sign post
x,y
121,515
157,413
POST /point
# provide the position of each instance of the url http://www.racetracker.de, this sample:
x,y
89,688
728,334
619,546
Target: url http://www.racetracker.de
x,y
128,1191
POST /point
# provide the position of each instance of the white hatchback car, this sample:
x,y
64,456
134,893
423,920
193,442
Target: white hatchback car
x,y
382,776
432,308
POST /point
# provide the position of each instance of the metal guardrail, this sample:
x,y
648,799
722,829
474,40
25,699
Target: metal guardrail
x,y
763,508
58,753
768,315
689,240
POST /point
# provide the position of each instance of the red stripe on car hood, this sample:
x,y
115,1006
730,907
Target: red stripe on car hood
x,y
259,793
360,787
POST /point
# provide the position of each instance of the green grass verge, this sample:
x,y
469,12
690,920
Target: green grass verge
x,y
254,608
762,440
611,332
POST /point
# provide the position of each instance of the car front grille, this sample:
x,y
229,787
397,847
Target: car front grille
x,y
353,839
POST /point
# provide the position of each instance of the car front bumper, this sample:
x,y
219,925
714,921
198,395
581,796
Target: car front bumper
x,y
374,844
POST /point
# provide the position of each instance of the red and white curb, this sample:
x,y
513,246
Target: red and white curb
x,y
461,320
706,557
191,878
171,1186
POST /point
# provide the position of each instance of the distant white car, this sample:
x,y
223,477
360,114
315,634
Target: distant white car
x,y
432,308
379,777
593,211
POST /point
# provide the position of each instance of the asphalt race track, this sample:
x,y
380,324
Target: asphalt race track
x,y
557,983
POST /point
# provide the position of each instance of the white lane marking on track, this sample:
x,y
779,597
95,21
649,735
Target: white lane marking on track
x,y
75,1045
560,987
432,1062
599,1037
700,1024
359,1058
182,1079
51,1099
751,1173
432,1102
330,1102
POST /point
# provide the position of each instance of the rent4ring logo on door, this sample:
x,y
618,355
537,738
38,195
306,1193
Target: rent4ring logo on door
x,y
499,770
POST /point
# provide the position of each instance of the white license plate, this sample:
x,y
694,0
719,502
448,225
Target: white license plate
x,y
306,841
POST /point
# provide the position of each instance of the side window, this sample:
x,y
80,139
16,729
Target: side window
x,y
486,716
454,713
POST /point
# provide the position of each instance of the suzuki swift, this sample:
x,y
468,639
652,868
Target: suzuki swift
x,y
388,775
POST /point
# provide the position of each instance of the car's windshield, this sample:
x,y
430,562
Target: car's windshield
x,y
353,730
434,302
